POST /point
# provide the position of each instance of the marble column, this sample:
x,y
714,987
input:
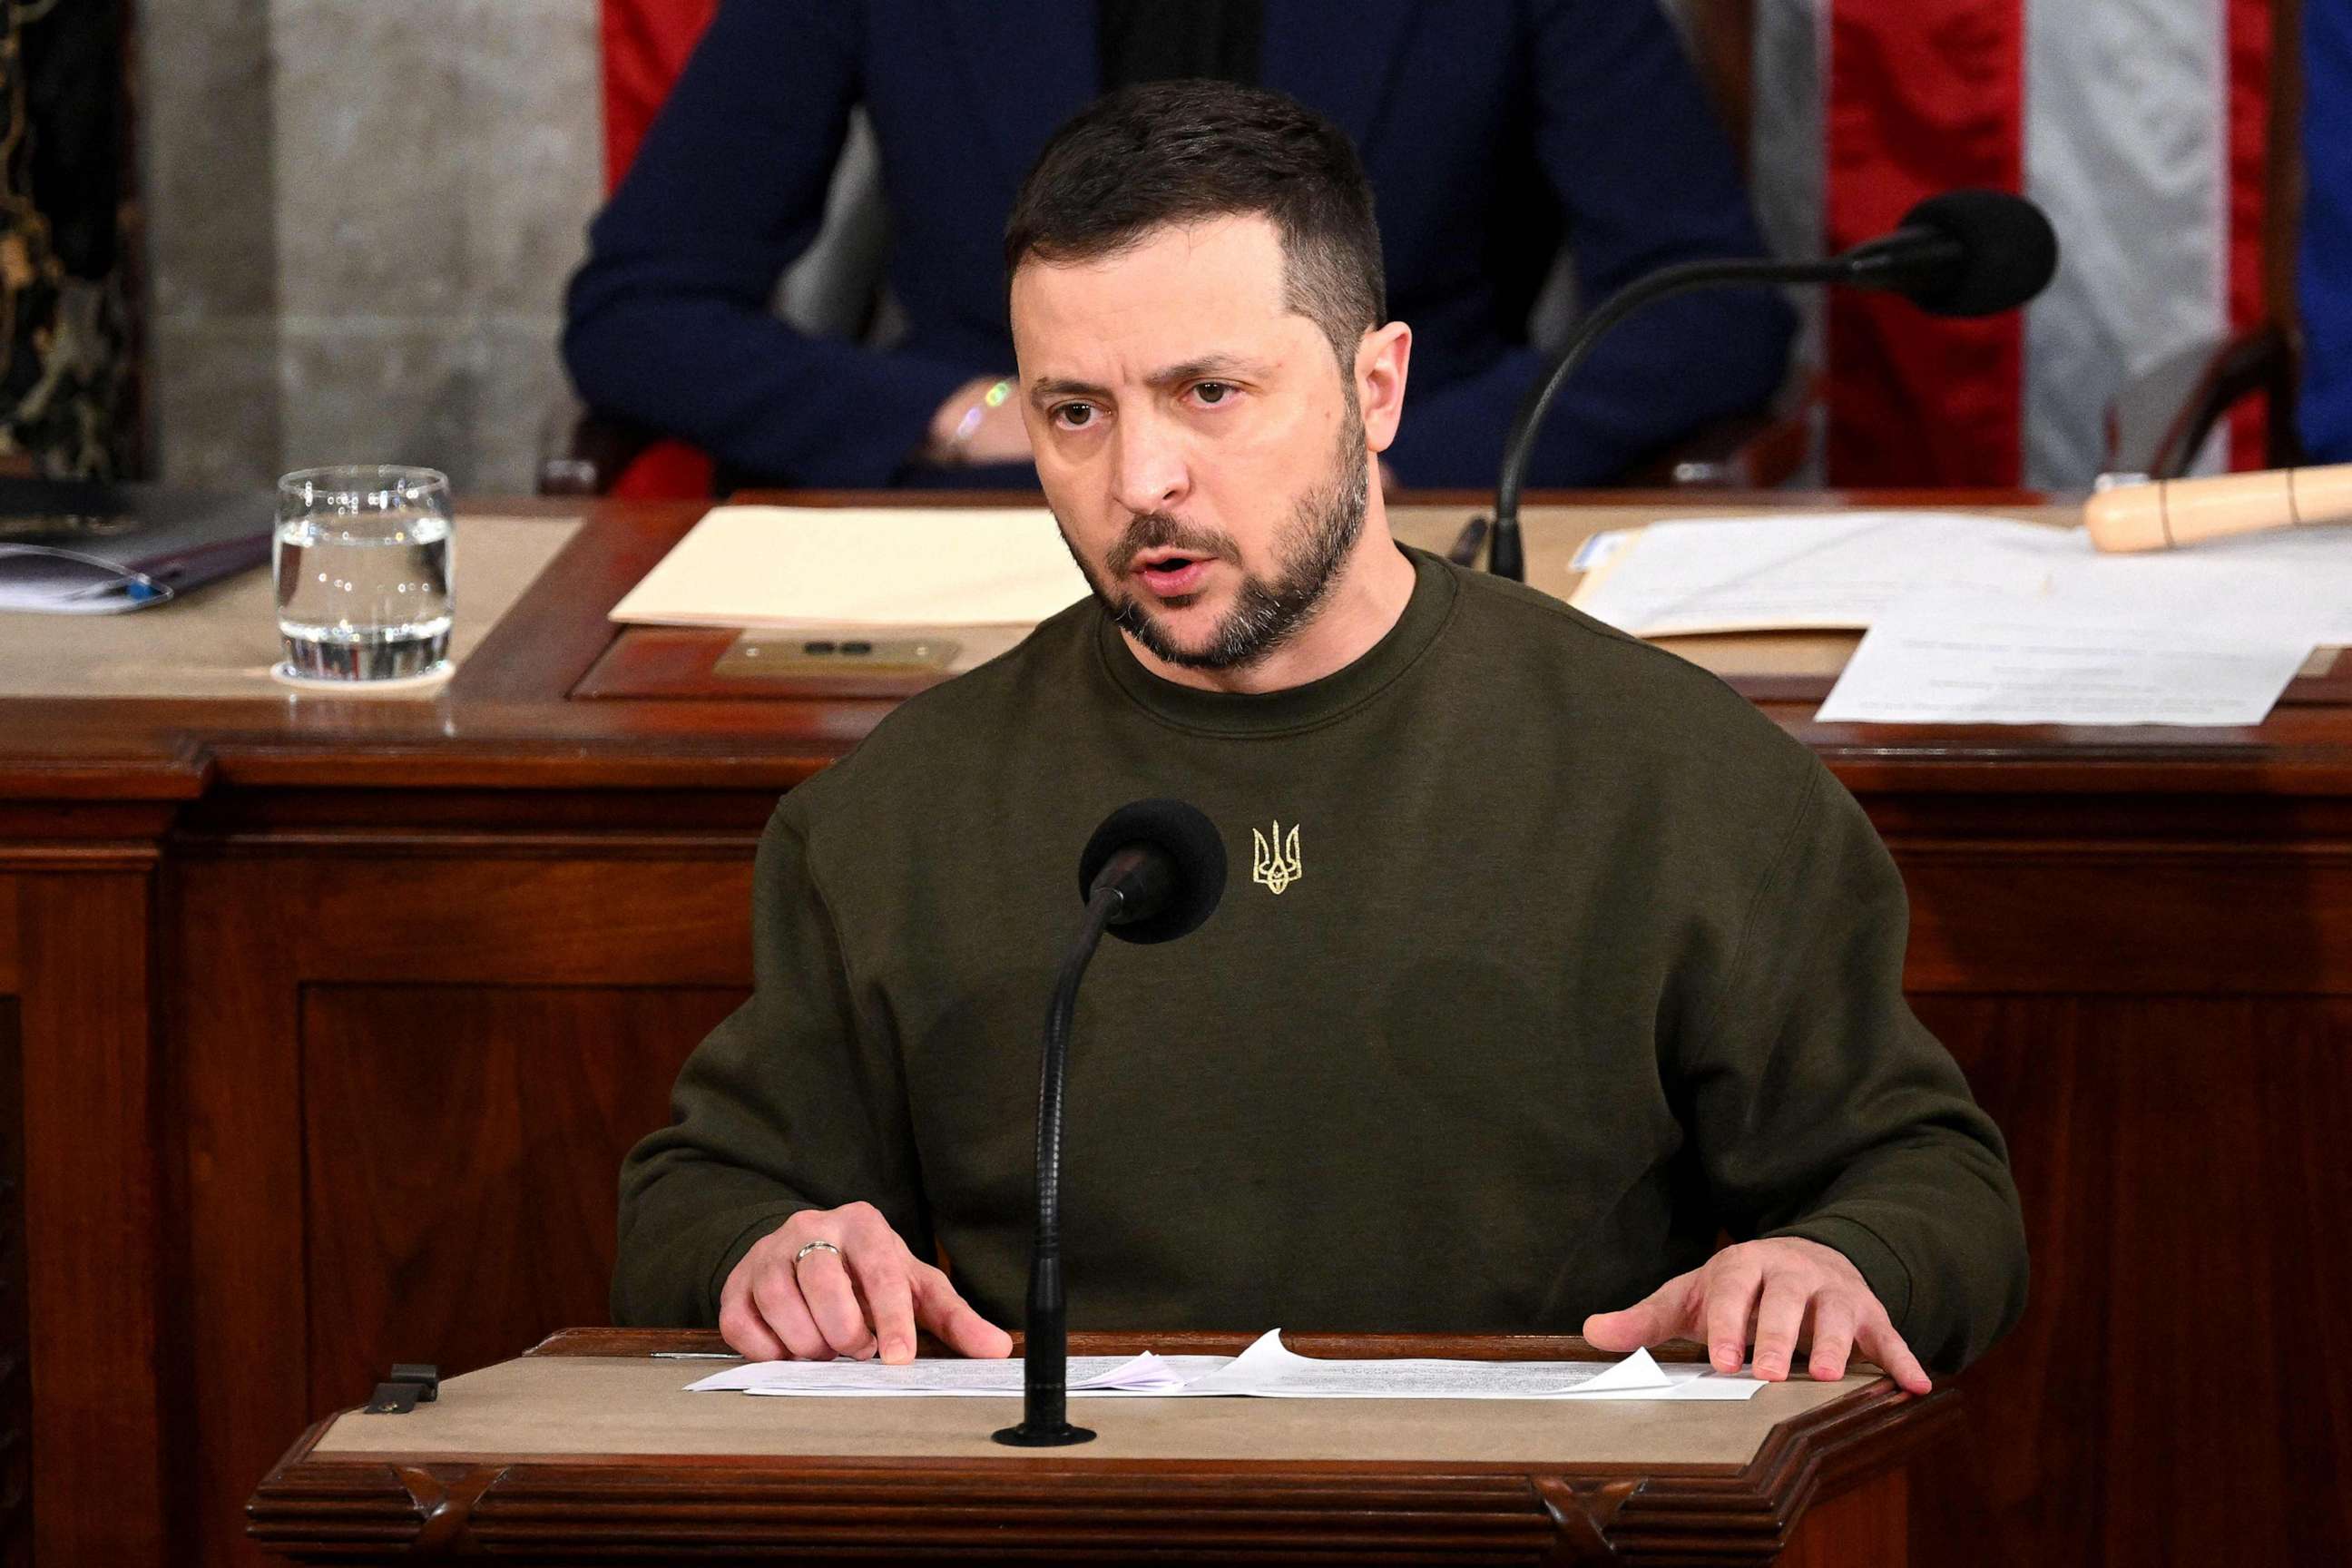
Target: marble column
x,y
361,213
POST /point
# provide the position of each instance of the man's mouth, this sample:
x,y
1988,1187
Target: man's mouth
x,y
1172,573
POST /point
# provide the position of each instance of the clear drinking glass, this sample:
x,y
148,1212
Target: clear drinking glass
x,y
363,560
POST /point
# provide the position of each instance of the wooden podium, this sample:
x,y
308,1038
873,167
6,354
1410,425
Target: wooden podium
x,y
588,1447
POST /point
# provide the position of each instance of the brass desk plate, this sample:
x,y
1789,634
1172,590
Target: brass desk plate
x,y
777,656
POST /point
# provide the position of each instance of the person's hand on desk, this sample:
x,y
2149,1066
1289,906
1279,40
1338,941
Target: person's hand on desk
x,y
978,424
1776,1288
840,1283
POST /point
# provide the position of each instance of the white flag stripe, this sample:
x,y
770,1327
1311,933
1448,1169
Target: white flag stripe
x,y
1786,146
2126,148
2126,145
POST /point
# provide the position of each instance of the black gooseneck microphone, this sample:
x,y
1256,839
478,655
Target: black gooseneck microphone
x,y
1153,872
1963,253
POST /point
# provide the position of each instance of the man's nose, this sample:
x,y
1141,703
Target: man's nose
x,y
1150,468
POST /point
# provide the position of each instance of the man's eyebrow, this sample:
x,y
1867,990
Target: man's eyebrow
x,y
1209,365
1061,386
1174,375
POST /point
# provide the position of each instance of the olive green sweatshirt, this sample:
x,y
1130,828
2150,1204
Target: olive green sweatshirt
x,y
1542,956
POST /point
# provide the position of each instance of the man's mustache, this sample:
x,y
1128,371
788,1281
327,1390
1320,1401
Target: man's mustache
x,y
1157,531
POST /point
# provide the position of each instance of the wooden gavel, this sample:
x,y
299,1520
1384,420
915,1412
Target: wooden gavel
x,y
2169,513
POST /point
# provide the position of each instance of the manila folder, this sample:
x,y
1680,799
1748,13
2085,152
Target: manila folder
x,y
785,568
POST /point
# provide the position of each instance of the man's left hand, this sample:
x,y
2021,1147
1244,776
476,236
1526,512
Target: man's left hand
x,y
1778,1292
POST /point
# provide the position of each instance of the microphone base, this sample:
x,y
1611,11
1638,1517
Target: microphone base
x,y
1060,1436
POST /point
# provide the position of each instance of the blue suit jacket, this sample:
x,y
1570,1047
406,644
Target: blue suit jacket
x,y
2324,278
1488,128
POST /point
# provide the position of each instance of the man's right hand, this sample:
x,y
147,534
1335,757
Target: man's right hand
x,y
872,1294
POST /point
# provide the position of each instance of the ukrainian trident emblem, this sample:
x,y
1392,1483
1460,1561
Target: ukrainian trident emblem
x,y
1273,865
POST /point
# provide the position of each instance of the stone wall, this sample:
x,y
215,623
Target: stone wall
x,y
360,217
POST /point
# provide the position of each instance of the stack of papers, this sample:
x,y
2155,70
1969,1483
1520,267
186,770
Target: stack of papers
x,y
1989,620
1267,1370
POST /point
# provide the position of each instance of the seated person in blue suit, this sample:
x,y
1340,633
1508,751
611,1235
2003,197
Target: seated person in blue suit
x,y
2324,278
1491,129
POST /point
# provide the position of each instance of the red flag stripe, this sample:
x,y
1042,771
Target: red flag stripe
x,y
2248,52
1923,96
645,42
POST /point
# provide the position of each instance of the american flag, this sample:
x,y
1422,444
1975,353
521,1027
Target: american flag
x,y
2141,126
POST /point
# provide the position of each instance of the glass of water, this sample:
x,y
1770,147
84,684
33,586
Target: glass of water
x,y
362,564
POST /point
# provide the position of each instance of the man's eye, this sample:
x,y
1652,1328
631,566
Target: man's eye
x,y
1075,415
1214,392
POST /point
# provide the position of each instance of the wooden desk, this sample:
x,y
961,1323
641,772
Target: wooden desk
x,y
328,1023
585,1439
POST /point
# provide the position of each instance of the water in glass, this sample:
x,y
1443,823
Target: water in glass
x,y
364,603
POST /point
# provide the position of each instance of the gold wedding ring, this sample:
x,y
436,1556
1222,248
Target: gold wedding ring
x,y
807,1247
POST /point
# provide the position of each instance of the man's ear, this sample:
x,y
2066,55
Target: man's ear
x,y
1381,358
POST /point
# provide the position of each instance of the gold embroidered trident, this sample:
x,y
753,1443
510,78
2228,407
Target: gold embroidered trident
x,y
1275,865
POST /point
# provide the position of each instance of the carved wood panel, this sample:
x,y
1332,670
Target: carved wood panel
x,y
462,1149
90,1203
366,1178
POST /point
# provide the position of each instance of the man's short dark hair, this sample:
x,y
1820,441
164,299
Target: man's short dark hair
x,y
1166,152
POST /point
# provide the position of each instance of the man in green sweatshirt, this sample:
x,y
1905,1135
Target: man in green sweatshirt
x,y
1553,957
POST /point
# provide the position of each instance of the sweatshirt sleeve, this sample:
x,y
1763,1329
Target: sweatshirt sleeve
x,y
792,1102
1822,1108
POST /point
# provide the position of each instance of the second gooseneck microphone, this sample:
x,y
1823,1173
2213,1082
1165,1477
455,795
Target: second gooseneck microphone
x,y
1964,253
1153,872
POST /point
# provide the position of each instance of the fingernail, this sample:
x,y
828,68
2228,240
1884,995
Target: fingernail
x,y
1726,1359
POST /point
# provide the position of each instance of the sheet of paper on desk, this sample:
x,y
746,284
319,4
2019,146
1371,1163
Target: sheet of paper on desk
x,y
1266,1370
949,1376
1988,659
1269,1370
1827,571
2305,574
792,567
1685,1381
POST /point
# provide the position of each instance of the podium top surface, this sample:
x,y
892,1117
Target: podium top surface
x,y
558,1404
579,1408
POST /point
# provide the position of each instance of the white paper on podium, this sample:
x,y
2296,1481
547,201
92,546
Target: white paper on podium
x,y
953,1375
1270,1370
1685,1381
1266,1370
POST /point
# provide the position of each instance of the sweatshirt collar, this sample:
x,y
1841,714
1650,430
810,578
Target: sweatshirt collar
x,y
1294,708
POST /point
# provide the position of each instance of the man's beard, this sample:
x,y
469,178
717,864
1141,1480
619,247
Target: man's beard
x,y
1267,613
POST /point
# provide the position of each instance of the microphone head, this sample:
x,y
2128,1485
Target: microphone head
x,y
1192,854
2007,252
